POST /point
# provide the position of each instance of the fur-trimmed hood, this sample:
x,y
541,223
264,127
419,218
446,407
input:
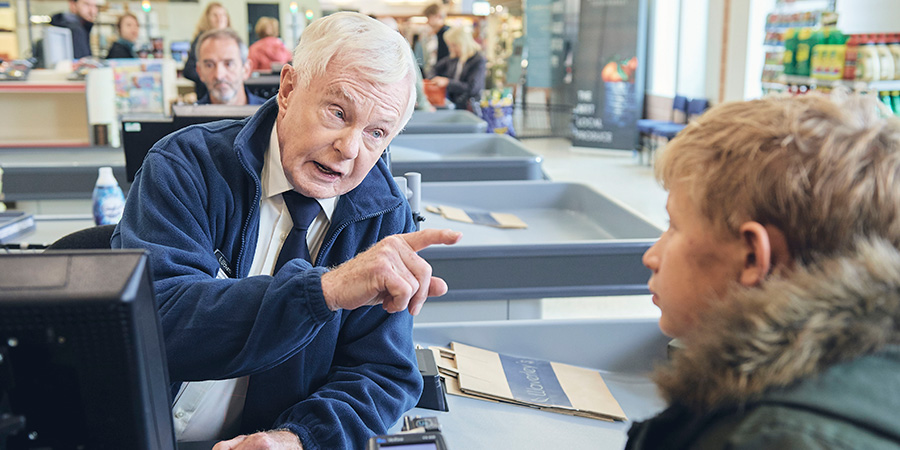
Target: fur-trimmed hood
x,y
762,339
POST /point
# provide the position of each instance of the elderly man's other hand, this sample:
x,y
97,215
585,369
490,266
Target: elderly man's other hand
x,y
264,440
390,273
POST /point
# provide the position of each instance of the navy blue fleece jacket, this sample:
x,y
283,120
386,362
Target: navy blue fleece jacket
x,y
333,378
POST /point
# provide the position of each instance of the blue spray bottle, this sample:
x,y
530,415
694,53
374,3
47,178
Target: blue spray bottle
x,y
109,202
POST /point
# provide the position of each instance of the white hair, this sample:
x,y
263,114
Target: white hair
x,y
349,41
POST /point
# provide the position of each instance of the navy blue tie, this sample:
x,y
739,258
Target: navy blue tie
x,y
303,211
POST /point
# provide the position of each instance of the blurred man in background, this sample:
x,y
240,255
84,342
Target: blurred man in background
x,y
80,20
223,66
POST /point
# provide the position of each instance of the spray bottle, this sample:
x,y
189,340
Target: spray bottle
x,y
108,200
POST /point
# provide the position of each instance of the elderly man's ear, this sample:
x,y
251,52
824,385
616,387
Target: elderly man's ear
x,y
765,249
285,87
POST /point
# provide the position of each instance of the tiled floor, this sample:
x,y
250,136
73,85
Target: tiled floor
x,y
618,175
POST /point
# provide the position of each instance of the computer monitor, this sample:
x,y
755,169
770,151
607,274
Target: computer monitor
x,y
57,46
180,50
82,363
140,131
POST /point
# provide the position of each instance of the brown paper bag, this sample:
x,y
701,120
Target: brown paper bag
x,y
556,387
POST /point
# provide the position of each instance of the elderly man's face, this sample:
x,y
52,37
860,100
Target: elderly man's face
x,y
86,9
333,132
222,70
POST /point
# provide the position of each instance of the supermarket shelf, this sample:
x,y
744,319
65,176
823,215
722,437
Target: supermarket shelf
x,y
773,86
884,85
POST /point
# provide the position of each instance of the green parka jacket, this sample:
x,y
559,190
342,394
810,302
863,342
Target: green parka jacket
x,y
807,361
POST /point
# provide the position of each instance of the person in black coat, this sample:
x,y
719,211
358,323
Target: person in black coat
x,y
129,28
436,17
80,20
463,72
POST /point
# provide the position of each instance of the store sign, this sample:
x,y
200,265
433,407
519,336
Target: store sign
x,y
609,73
544,22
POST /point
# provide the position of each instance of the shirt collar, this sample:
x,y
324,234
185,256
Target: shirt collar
x,y
274,182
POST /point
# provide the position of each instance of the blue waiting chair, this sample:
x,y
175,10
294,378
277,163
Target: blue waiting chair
x,y
670,130
646,126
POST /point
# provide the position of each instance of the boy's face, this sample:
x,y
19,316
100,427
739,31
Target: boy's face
x,y
693,264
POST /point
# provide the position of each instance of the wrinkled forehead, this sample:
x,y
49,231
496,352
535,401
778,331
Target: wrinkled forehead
x,y
387,99
359,85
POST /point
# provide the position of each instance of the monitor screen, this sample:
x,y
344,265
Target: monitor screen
x,y
82,363
57,46
180,50
140,131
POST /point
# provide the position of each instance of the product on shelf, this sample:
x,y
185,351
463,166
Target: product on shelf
x,y
867,60
850,57
793,31
895,102
827,61
894,47
885,58
790,50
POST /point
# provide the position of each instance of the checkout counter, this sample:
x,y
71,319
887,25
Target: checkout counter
x,y
46,111
31,174
578,243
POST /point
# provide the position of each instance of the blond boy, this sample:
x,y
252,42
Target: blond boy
x,y
780,273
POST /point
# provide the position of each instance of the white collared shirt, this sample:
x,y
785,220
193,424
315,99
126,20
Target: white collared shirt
x,y
209,410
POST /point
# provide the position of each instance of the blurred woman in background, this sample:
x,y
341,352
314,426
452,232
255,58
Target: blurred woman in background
x,y
129,29
269,49
463,72
215,16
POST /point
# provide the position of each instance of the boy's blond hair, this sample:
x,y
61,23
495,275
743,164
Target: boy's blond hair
x,y
824,171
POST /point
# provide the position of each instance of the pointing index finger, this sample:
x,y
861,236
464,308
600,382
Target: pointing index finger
x,y
419,240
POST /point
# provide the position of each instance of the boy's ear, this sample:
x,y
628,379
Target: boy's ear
x,y
765,249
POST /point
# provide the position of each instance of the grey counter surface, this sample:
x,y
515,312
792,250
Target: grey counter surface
x,y
578,242
464,157
57,172
444,121
48,228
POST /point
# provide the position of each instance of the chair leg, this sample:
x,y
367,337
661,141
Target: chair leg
x,y
652,151
642,147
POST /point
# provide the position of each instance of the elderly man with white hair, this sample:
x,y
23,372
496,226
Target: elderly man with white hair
x,y
284,256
